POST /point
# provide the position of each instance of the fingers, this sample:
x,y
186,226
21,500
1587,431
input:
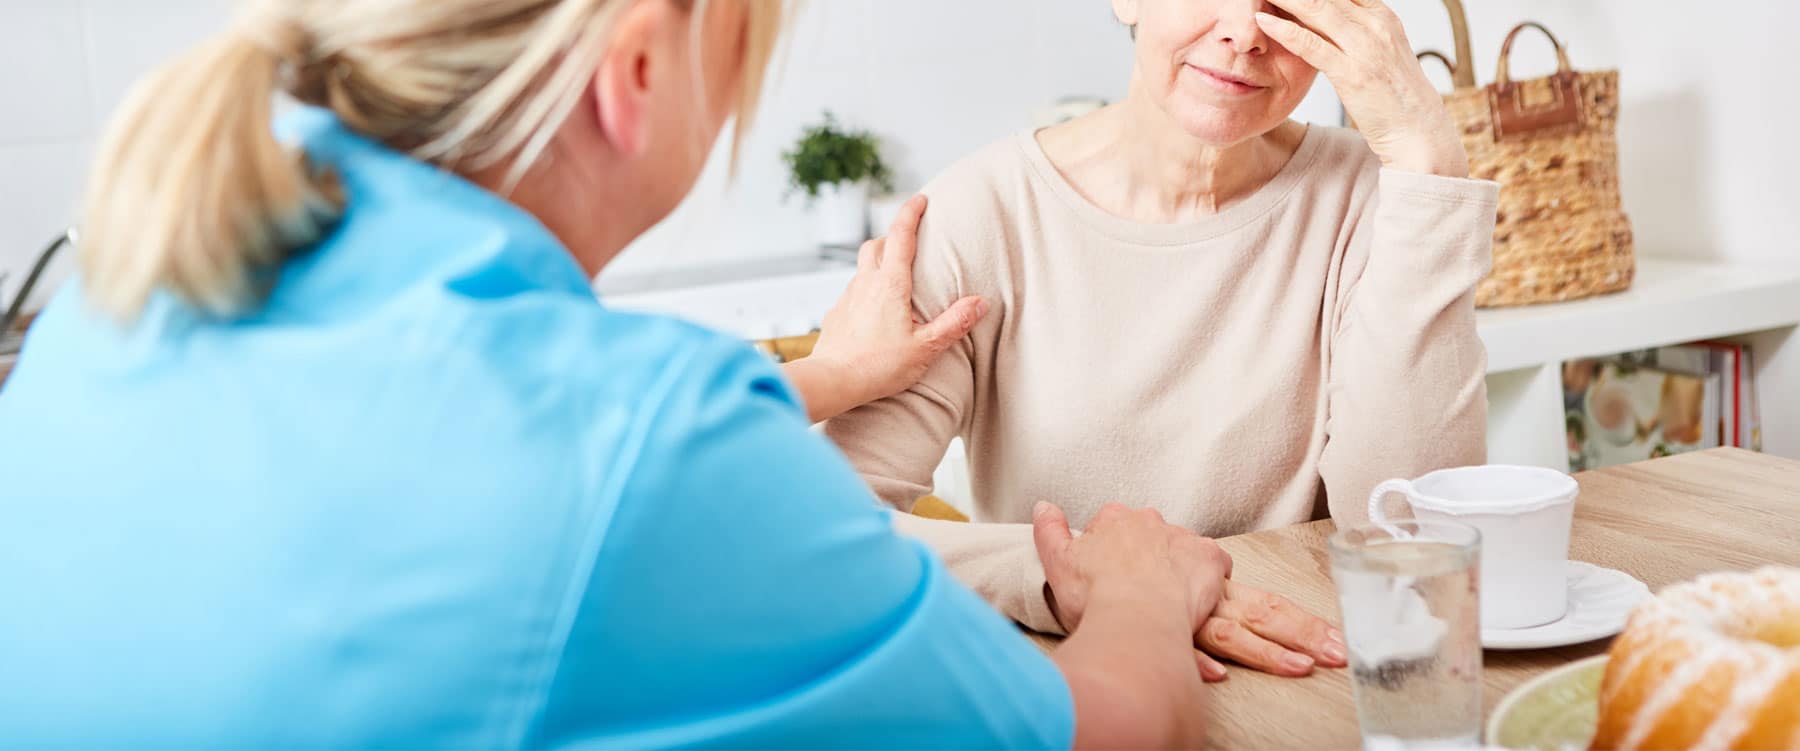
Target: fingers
x,y
1050,531
1304,42
903,236
952,325
1216,556
1280,621
1380,15
868,257
1223,637
1209,567
1333,19
1211,670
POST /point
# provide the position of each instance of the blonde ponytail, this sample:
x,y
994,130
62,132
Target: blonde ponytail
x,y
190,191
191,194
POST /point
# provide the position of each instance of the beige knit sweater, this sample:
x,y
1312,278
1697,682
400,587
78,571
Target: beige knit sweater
x,y
1251,370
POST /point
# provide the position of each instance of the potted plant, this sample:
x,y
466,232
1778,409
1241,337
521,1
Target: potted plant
x,y
836,168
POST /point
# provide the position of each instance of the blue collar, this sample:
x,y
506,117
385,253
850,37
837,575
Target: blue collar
x,y
410,224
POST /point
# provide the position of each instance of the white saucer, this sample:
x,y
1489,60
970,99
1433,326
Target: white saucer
x,y
1600,599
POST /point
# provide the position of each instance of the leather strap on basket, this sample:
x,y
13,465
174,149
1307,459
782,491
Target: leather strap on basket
x,y
1516,118
1439,56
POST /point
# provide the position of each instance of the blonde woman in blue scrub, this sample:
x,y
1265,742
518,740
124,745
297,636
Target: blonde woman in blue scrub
x,y
330,445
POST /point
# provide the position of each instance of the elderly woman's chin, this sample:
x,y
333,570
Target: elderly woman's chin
x,y
1228,119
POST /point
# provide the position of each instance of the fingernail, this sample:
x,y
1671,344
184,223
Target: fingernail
x,y
981,305
1297,661
1038,511
1336,636
1334,652
1217,671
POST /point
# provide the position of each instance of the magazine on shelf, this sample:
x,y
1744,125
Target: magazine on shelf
x,y
1752,406
1657,402
1736,366
1710,358
1619,411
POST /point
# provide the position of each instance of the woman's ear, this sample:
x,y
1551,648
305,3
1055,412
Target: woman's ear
x,y
622,85
1126,11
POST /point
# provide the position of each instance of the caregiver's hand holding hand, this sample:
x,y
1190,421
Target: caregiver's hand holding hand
x,y
1144,585
1246,625
871,346
1361,47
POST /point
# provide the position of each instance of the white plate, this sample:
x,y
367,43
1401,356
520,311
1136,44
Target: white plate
x,y
1558,709
1600,599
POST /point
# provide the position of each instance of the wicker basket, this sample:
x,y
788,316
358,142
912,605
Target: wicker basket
x,y
1561,233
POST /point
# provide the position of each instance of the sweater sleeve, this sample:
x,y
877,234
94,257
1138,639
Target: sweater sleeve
x,y
1407,389
998,561
896,443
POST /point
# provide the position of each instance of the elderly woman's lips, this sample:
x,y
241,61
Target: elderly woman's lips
x,y
1225,82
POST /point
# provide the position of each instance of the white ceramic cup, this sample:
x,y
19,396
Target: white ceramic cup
x,y
1523,514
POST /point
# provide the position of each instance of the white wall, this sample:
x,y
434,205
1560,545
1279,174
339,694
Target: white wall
x,y
1708,116
936,79
1708,105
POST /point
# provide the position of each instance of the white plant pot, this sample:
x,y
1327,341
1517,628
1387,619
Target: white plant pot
x,y
842,211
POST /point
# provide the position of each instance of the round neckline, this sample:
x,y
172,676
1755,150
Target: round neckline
x,y
1233,217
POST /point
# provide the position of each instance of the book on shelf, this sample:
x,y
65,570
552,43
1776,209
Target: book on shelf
x,y
1653,403
1741,427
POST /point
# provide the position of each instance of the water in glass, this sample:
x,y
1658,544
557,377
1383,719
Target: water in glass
x,y
1409,595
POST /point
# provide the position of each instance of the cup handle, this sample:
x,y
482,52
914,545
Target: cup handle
x,y
1403,487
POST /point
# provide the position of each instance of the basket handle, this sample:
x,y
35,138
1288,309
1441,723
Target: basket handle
x,y
1438,56
1463,75
1503,78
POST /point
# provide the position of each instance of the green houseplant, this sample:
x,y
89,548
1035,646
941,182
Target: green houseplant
x,y
836,167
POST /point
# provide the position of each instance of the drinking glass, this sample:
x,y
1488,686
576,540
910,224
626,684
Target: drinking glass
x,y
1409,593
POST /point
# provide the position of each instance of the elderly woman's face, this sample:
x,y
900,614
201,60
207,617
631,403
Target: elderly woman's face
x,y
1208,64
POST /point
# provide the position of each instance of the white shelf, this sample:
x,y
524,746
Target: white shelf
x,y
1670,302
758,300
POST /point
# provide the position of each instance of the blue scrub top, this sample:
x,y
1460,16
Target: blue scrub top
x,y
434,494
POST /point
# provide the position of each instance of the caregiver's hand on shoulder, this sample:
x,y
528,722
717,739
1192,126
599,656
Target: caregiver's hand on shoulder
x,y
871,346
1246,625
1361,47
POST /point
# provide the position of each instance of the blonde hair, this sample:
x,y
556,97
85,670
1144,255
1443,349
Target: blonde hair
x,y
192,194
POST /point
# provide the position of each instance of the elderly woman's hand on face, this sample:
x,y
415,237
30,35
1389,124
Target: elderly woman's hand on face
x,y
871,346
1244,624
1362,48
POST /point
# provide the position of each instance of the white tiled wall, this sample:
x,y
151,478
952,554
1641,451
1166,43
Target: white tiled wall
x,y
68,64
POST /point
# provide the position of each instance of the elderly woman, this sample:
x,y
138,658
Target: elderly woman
x,y
1201,306
331,446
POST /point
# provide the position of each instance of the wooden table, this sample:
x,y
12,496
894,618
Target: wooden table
x,y
1663,521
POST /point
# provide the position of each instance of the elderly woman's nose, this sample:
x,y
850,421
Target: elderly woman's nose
x,y
1238,29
